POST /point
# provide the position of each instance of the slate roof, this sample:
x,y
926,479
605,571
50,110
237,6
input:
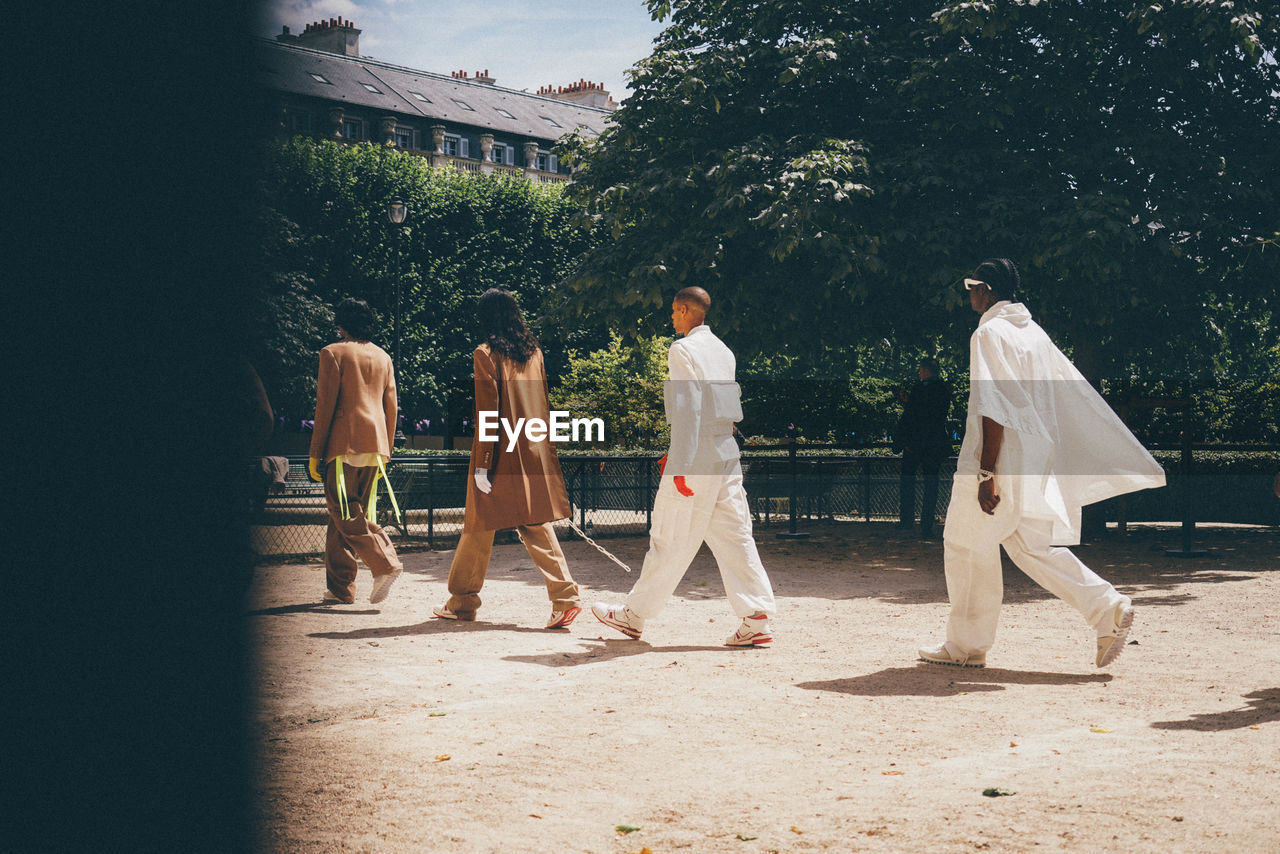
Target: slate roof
x,y
288,68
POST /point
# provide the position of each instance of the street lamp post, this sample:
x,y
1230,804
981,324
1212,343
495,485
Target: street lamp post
x,y
396,213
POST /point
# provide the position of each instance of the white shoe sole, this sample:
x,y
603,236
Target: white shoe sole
x,y
1117,646
609,621
750,640
971,661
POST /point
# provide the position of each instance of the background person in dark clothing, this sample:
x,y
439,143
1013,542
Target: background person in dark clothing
x,y
923,440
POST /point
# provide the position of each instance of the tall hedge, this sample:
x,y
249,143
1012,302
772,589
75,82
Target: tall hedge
x,y
326,236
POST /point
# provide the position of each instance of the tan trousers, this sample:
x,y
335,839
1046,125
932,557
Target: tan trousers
x,y
471,563
358,536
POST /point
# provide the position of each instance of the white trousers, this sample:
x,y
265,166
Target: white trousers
x,y
717,514
976,586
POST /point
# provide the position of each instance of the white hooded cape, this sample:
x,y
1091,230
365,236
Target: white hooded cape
x,y
1063,446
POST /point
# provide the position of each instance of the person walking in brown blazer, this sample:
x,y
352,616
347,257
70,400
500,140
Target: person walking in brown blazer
x,y
352,438
518,487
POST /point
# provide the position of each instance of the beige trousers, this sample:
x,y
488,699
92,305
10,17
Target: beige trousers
x,y
345,540
471,564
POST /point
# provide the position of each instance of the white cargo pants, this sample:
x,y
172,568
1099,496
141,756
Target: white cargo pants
x,y
975,582
717,514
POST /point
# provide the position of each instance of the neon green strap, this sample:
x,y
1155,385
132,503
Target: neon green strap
x,y
373,495
341,488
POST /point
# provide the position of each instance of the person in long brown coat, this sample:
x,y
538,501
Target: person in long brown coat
x,y
521,487
353,435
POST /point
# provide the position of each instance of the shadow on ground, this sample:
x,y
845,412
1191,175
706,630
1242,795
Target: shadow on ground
x,y
429,627
1262,707
929,680
606,650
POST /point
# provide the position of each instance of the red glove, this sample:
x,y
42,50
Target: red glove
x,y
681,488
662,464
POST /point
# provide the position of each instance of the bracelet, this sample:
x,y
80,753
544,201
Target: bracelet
x,y
984,475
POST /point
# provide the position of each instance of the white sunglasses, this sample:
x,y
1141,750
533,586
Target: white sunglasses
x,y
970,284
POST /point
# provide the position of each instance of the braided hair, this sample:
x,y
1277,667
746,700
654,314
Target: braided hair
x,y
503,326
1002,276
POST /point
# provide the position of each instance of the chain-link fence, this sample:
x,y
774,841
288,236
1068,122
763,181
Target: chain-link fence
x,y
613,496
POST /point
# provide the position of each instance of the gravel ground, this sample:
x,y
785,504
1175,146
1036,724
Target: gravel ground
x,y
380,728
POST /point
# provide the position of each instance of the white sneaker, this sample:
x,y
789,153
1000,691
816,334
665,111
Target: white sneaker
x,y
331,598
942,654
619,617
754,631
1111,644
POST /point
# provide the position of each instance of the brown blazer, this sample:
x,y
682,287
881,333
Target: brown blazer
x,y
355,401
528,486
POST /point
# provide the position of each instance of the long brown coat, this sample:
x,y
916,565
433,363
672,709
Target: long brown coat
x,y
528,486
355,401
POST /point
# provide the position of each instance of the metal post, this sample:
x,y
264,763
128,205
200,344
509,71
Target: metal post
x,y
582,495
791,533
431,503
866,489
1185,490
648,496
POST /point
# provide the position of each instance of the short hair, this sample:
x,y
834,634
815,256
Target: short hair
x,y
355,316
694,297
1002,276
930,363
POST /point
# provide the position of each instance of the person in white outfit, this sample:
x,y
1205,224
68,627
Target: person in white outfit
x,y
700,497
1039,443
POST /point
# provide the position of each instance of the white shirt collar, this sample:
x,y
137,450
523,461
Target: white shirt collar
x,y
701,327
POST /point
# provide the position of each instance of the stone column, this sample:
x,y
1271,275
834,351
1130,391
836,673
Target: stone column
x,y
389,130
336,116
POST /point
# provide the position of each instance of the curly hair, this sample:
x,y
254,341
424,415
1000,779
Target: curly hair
x,y
503,326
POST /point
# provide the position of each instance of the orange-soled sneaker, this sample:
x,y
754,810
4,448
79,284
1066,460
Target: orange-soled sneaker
x,y
620,617
562,619
754,631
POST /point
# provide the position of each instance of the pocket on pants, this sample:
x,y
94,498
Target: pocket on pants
x,y
967,525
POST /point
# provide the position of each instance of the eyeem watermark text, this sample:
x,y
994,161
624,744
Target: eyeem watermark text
x,y
561,428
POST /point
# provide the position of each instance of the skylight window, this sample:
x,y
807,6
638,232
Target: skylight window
x,y
374,89
319,78
421,97
464,105
504,112
551,121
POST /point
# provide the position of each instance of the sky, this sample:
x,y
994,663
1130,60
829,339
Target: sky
x,y
525,44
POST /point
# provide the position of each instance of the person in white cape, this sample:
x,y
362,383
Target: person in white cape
x,y
1039,443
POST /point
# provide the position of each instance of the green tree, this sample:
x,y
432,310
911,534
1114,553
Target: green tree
x,y
830,169
326,236
622,384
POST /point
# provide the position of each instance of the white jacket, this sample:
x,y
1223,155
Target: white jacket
x,y
702,402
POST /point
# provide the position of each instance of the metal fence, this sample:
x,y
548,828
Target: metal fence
x,y
613,496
